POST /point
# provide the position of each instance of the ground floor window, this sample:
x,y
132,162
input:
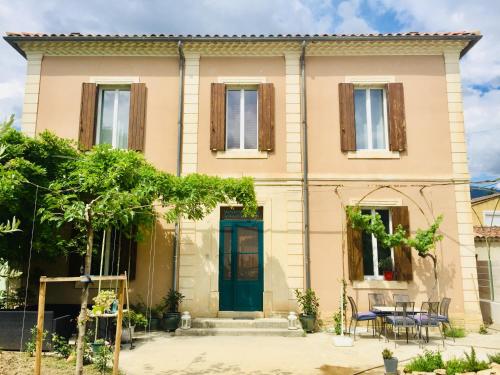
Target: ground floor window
x,y
374,254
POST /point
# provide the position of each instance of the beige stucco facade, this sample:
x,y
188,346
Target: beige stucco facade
x,y
434,158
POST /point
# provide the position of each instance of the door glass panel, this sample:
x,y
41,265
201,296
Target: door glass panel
x,y
248,253
227,253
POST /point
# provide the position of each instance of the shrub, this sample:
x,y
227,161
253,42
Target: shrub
x,y
455,366
308,301
102,358
454,332
494,357
60,346
427,362
337,323
30,345
468,364
387,354
483,330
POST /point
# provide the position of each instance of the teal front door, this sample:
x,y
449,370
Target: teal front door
x,y
241,270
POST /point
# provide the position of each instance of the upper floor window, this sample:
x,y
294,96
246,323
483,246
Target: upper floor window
x,y
241,119
373,251
370,108
491,218
113,116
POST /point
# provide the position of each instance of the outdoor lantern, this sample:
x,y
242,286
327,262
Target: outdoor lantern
x,y
186,320
293,322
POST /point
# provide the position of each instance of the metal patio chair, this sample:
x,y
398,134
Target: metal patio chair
x,y
400,298
376,299
443,316
401,318
428,318
359,317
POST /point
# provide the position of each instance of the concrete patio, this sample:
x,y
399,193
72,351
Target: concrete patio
x,y
162,353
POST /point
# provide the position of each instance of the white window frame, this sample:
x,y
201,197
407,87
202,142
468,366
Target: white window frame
x,y
241,89
489,215
369,125
116,89
376,275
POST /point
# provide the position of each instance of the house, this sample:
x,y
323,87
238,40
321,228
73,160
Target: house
x,y
319,121
486,219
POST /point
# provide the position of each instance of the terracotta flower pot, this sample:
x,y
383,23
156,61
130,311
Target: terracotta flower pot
x,y
388,275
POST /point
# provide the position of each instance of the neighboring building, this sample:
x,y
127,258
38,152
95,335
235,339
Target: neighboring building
x,y
318,121
486,216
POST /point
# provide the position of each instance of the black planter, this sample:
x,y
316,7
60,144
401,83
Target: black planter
x,y
154,324
308,322
391,365
170,321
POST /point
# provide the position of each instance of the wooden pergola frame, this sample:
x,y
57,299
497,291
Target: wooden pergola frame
x,y
84,279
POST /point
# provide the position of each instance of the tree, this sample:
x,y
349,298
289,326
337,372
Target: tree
x,y
87,193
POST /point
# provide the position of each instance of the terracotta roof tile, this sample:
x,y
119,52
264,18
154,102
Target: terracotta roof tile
x,y
487,232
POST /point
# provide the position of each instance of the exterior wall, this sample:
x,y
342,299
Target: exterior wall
x,y
486,205
59,110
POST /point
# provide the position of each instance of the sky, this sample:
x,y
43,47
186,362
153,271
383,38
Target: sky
x,y
480,67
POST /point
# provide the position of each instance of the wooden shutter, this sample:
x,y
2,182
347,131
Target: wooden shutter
x,y
218,117
402,254
137,117
396,116
347,124
355,253
88,112
266,117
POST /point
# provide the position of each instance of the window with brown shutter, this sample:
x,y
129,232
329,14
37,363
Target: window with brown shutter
x,y
396,117
354,253
402,254
346,111
266,117
218,117
88,107
137,116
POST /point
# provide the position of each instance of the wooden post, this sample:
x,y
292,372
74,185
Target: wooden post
x,y
39,325
119,318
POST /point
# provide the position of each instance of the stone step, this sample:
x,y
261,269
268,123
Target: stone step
x,y
240,323
240,314
283,332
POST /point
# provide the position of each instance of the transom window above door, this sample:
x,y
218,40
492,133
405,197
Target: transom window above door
x,y
370,106
113,116
241,119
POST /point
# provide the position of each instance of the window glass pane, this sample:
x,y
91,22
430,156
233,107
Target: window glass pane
x,y
123,111
250,119
360,119
383,252
227,253
367,249
233,119
377,109
106,119
248,256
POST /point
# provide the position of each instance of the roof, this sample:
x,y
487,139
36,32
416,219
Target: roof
x,y
484,198
486,232
471,36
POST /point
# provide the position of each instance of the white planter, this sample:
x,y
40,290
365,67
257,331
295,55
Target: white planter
x,y
126,332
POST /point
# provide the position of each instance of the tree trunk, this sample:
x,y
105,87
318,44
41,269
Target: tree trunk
x,y
82,318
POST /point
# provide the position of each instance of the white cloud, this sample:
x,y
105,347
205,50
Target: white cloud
x,y
350,19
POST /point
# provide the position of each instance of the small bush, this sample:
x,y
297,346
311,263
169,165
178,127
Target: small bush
x,y
102,358
483,330
387,354
468,364
337,323
427,362
494,357
454,332
30,346
455,366
61,346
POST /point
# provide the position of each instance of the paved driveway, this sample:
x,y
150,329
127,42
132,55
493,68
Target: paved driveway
x,y
161,353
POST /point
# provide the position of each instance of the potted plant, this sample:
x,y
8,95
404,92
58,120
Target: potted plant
x,y
136,320
309,305
172,316
390,362
387,268
103,302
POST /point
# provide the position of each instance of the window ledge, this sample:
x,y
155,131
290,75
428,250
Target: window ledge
x,y
379,284
243,154
373,154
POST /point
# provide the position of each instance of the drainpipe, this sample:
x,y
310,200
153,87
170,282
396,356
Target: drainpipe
x,y
305,164
177,240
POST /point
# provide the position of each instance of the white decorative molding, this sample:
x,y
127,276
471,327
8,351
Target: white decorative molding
x,y
472,312
373,154
396,202
242,154
114,80
369,80
31,93
241,80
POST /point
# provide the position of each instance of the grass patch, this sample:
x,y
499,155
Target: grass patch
x,y
494,357
456,332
